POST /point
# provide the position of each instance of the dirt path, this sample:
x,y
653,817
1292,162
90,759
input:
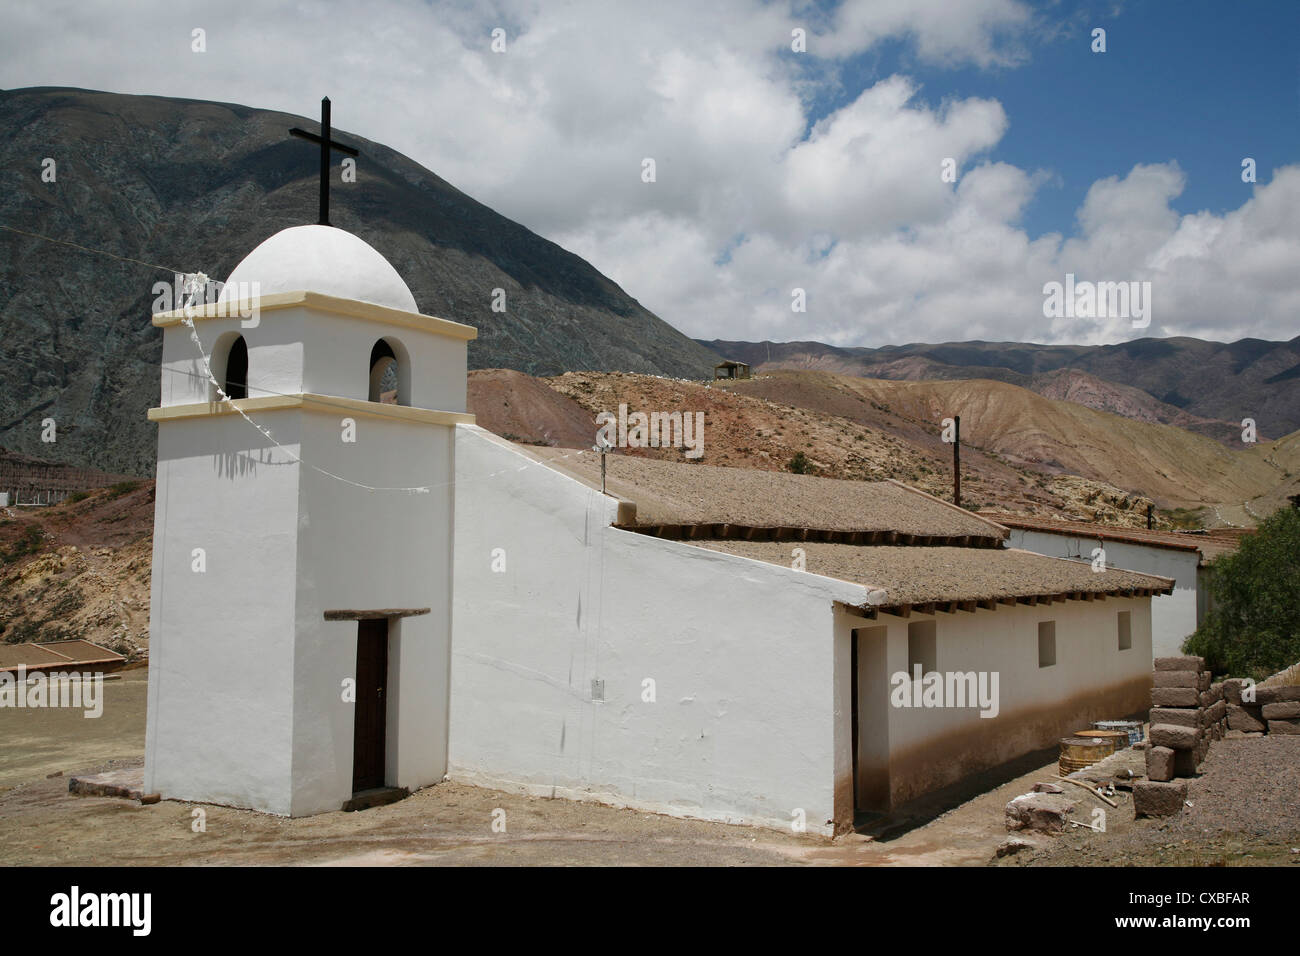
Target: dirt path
x,y
41,823
451,824
36,742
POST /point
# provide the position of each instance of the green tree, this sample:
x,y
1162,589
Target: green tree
x,y
799,464
1253,626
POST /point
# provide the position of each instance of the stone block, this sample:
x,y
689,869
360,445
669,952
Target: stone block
x,y
1277,695
1155,798
1232,690
1205,698
1174,737
1284,727
127,782
1246,718
1176,679
1178,716
1160,763
1180,663
1287,710
1175,697
1044,812
1013,845
1203,683
1216,712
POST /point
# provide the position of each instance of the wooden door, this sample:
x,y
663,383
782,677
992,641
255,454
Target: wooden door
x,y
371,706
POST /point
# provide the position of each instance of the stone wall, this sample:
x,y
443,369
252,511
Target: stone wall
x,y
1188,713
1265,708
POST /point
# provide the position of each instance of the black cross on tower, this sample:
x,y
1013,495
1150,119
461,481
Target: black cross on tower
x,y
326,144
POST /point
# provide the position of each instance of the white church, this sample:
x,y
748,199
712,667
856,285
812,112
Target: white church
x,y
357,591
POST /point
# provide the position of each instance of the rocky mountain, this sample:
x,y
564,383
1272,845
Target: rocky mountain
x,y
193,186
1207,387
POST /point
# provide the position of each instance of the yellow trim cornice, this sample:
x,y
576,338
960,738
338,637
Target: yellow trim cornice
x,y
311,403
324,303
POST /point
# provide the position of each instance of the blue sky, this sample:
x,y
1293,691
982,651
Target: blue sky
x,y
1199,82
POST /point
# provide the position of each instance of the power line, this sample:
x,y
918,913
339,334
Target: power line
x,y
209,377
98,252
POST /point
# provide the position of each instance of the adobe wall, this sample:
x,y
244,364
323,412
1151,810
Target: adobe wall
x,y
741,727
929,748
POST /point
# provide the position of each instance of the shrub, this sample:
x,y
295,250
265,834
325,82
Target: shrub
x,y
799,464
1253,626
121,488
28,543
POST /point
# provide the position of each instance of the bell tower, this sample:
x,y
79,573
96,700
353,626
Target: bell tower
x,y
300,619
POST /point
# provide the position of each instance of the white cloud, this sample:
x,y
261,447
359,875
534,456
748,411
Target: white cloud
x,y
944,32
750,202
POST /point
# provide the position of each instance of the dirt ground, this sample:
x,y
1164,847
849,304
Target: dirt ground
x,y
1243,809
34,743
451,823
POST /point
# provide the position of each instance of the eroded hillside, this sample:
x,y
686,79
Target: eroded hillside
x,y
81,569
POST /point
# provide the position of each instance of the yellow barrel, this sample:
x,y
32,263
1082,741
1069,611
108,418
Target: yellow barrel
x,y
1078,753
1118,738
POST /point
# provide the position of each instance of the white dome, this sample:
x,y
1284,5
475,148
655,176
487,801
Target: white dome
x,y
321,259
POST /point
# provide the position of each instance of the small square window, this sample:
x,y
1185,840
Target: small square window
x,y
1125,631
921,647
1046,643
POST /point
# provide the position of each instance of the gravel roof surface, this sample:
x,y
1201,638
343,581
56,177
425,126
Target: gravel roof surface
x,y
922,575
669,493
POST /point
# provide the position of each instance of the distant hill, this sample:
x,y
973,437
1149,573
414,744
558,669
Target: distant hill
x,y
194,186
1207,387
81,569
1017,429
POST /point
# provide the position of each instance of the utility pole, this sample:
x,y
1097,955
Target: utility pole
x,y
956,460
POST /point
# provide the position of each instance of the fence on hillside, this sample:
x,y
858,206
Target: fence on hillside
x,y
27,481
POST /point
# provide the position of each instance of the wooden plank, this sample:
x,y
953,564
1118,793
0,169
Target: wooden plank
x,y
348,614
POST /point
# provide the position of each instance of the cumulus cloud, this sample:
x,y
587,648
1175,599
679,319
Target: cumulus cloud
x,y
755,197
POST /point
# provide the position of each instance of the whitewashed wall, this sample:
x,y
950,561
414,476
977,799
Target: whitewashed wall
x,y
298,349
741,653
1092,679
337,350
1173,616
368,550
222,641
246,703
275,356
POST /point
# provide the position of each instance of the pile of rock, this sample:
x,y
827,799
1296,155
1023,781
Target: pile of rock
x,y
1262,709
1187,714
